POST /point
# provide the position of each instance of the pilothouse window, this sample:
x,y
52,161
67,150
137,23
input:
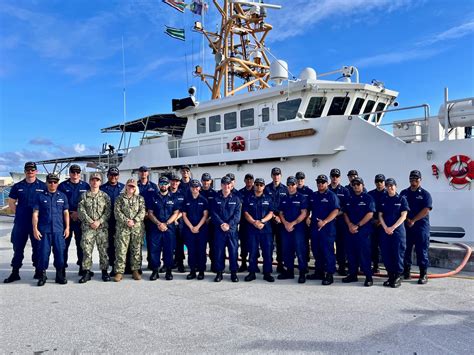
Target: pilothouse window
x,y
230,120
215,123
380,107
359,102
287,109
315,107
201,125
338,106
246,118
265,114
368,108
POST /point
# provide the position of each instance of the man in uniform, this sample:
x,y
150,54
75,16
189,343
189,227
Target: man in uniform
x,y
21,199
293,211
225,212
94,211
233,190
343,194
377,194
209,193
417,226
306,192
258,211
245,193
358,212
185,179
73,188
51,227
351,175
113,188
276,190
178,194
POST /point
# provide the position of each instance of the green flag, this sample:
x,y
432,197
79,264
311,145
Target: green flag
x,y
177,33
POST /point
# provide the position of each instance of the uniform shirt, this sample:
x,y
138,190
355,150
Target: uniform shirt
x,y
73,192
321,204
113,191
194,208
291,207
146,190
378,196
341,192
25,194
184,187
357,206
417,200
392,208
305,191
208,194
226,210
351,190
276,193
94,207
178,196
51,207
245,194
258,208
129,208
163,206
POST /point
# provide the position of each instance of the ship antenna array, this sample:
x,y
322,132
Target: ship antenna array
x,y
241,60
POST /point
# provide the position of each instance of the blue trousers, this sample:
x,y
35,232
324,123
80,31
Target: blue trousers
x,y
148,229
196,244
420,239
393,251
358,249
20,234
162,242
111,248
294,243
221,241
265,241
341,230
179,247
322,246
74,228
48,241
244,239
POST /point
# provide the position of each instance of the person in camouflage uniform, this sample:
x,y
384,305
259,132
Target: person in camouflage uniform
x,y
129,211
94,211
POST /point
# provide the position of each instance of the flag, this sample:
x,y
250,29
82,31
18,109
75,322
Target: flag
x,y
198,6
177,33
176,4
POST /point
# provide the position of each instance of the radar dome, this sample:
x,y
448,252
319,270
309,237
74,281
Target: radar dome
x,y
308,74
279,71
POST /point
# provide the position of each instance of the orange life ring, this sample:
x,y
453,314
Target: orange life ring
x,y
465,172
237,144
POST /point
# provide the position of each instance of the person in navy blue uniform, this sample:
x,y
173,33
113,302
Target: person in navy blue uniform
x,y
179,194
377,194
163,210
195,210
306,192
113,188
258,211
146,189
184,182
245,193
73,188
209,193
351,175
225,212
323,207
358,212
21,198
51,227
293,211
341,228
393,211
233,190
418,226
277,191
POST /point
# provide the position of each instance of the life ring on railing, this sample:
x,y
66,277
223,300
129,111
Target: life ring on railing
x,y
459,170
237,144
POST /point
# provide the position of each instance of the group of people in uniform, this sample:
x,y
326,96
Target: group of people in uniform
x,y
341,225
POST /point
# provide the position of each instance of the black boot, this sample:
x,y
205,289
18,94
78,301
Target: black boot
x,y
287,275
218,277
328,279
37,274
112,273
406,273
318,275
154,275
250,277
105,276
168,275
233,277
181,268
302,278
81,271
268,277
368,281
60,278
342,271
280,268
423,276
14,276
396,282
200,275
86,276
350,278
42,278
191,275
243,266
389,280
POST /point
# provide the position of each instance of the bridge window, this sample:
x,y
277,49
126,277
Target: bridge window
x,y
265,114
338,106
230,120
215,123
380,107
359,102
287,109
246,118
368,108
315,107
201,125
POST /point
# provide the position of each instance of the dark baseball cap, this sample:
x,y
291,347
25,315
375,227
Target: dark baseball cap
x,y
143,168
74,168
195,183
185,167
248,176
30,165
206,177
379,177
357,180
322,178
113,171
300,175
52,177
390,181
276,171
230,176
416,174
291,180
259,181
335,172
163,180
352,172
226,180
175,177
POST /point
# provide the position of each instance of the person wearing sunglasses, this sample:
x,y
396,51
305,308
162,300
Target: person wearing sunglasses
x,y
418,226
20,202
306,191
73,188
179,193
209,193
51,227
129,210
377,194
245,192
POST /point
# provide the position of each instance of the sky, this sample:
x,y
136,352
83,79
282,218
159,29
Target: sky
x,y
62,77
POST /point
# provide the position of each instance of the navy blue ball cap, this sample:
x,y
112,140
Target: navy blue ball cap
x,y
415,174
175,177
113,171
335,172
195,183
30,165
322,178
259,181
291,180
52,177
379,177
185,167
352,172
206,177
276,171
248,176
163,180
390,181
143,168
300,175
74,168
226,180
230,176
357,180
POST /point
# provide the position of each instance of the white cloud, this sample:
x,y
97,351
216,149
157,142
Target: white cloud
x,y
395,57
455,32
79,148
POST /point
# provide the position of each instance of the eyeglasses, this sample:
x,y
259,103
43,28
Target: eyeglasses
x,y
379,181
259,185
113,175
414,179
163,184
52,182
131,186
291,184
356,184
335,176
30,170
321,182
74,172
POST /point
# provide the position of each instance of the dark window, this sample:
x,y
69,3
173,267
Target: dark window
x,y
357,106
287,109
265,114
380,107
215,123
368,108
246,118
338,106
201,125
315,107
230,120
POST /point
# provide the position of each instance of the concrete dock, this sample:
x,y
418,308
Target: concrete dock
x,y
182,316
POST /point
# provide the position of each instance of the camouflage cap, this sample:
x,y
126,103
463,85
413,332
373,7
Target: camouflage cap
x,y
96,176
